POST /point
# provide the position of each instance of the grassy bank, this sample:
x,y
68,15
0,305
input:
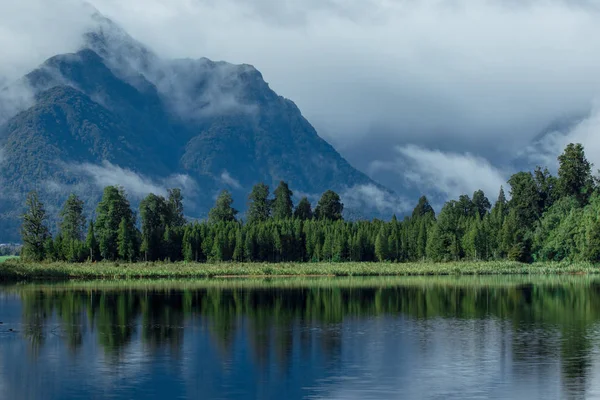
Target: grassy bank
x,y
6,258
12,270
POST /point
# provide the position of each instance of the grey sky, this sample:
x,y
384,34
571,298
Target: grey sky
x,y
394,84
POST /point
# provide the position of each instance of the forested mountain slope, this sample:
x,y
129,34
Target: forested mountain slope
x,y
115,113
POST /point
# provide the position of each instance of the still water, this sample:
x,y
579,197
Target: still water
x,y
334,338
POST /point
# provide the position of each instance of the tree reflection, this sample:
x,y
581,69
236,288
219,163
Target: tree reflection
x,y
547,320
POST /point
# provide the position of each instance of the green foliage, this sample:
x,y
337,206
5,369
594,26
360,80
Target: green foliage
x,y
535,225
423,207
259,205
34,232
223,211
329,207
282,204
91,243
481,204
112,212
73,221
126,241
574,174
303,210
71,231
526,199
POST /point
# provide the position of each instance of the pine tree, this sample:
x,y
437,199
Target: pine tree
x,y
282,204
125,241
111,211
381,250
329,207
72,224
259,205
189,244
175,207
303,210
156,214
34,232
574,173
422,239
91,243
481,204
223,211
422,208
238,252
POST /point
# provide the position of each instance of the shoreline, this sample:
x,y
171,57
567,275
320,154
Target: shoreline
x,y
23,271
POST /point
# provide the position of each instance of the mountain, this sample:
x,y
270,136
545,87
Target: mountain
x,y
116,113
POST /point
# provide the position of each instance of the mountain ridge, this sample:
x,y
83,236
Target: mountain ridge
x,y
214,124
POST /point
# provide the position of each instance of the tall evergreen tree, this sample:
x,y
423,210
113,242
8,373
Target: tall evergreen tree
x,y
574,173
91,243
282,204
422,208
175,207
465,206
223,210
329,207
547,187
481,204
72,224
71,231
126,241
112,210
303,210
525,201
155,213
259,205
34,232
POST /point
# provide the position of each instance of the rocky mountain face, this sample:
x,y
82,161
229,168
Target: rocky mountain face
x,y
115,113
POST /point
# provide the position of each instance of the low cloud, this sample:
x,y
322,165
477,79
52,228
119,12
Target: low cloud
x,y
229,180
447,173
546,150
136,185
14,98
371,197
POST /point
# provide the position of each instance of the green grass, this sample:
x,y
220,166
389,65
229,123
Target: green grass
x,y
6,258
300,282
14,270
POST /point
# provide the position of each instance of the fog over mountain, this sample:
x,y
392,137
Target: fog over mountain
x,y
114,112
440,97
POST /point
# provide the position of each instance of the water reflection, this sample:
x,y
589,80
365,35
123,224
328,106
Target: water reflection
x,y
361,338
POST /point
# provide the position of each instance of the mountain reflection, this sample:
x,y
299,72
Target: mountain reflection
x,y
540,323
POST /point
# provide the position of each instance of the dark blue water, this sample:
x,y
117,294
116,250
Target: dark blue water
x,y
420,338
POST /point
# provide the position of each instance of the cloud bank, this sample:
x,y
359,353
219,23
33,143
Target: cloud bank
x,y
467,84
227,179
360,197
451,174
545,150
136,185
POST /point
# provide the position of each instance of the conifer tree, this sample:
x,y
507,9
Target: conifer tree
x,y
282,204
91,243
125,241
112,210
34,232
329,207
574,173
259,205
303,210
223,210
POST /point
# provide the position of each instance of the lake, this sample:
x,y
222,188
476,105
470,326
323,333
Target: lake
x,y
333,338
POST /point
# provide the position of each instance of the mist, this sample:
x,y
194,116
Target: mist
x,y
469,83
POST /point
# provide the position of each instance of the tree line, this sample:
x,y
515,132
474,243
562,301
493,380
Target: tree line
x,y
548,218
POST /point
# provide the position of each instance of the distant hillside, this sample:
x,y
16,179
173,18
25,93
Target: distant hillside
x,y
115,113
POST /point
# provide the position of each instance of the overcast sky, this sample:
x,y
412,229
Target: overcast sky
x,y
442,95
